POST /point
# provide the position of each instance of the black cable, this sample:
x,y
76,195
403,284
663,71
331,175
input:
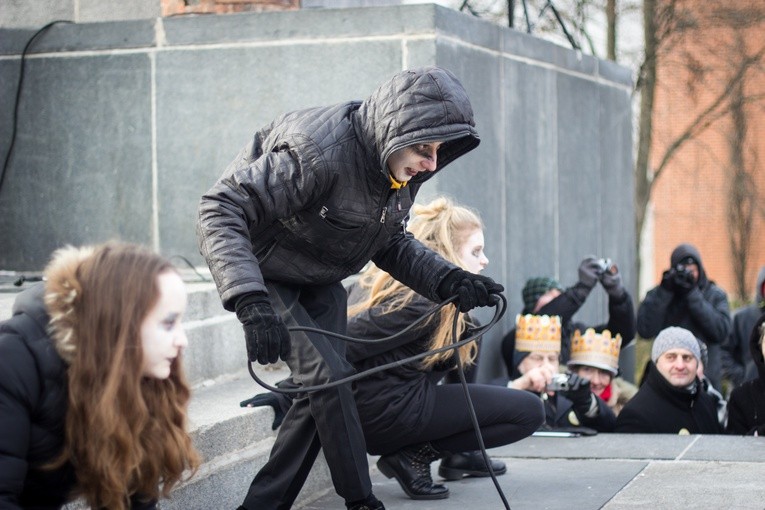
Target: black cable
x,y
474,420
188,263
18,96
500,307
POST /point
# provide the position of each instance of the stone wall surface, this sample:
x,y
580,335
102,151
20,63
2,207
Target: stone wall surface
x,y
122,126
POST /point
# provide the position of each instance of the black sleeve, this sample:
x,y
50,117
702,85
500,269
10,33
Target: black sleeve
x,y
653,311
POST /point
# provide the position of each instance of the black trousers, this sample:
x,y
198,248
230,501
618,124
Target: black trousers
x,y
504,415
325,419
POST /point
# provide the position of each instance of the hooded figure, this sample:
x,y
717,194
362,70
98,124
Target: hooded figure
x,y
746,407
737,363
315,196
688,299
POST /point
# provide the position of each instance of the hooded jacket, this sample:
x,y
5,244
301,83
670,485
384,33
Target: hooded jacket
x,y
746,406
660,408
704,311
737,362
308,201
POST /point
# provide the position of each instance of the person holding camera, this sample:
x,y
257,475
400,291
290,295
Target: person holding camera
x,y
545,296
568,399
687,298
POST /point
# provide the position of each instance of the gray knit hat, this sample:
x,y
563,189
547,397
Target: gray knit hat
x,y
675,338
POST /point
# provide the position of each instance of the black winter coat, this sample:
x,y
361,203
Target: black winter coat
x,y
308,201
660,408
559,413
399,401
737,361
33,403
703,311
746,406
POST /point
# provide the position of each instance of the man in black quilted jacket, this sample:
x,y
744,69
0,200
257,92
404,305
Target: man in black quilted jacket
x,y
310,200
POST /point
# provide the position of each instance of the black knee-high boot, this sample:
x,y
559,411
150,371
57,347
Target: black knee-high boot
x,y
411,468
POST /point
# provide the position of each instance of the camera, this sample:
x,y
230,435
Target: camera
x,y
559,383
605,265
682,269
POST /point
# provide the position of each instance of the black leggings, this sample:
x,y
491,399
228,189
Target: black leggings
x,y
504,416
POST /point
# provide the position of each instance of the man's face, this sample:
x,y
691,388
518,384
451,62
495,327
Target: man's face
x,y
678,366
539,359
405,163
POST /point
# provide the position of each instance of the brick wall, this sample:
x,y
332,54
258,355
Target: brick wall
x,y
690,198
175,7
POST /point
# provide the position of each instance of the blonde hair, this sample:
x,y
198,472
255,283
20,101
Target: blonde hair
x,y
444,227
125,434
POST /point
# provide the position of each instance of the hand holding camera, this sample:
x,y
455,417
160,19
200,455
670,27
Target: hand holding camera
x,y
589,271
578,391
611,279
683,279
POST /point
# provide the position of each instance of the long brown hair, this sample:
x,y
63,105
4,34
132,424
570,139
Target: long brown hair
x,y
125,434
444,227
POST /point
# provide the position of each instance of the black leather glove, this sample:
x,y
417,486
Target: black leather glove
x,y
589,271
668,280
266,335
684,282
579,394
611,280
472,289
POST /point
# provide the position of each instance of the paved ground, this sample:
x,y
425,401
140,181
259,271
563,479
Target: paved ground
x,y
612,471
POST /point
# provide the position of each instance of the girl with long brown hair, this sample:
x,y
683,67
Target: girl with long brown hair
x,y
92,387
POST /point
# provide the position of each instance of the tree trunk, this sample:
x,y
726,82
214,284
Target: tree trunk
x,y
741,203
646,87
611,30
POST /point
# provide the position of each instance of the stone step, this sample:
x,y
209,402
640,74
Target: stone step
x,y
235,443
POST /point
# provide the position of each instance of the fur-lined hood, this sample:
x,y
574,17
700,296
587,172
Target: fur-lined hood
x,y
62,289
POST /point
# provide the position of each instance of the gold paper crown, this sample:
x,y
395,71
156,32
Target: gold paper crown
x,y
537,333
596,350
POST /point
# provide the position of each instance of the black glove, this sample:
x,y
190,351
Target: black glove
x,y
589,271
684,282
264,331
472,289
579,394
668,280
612,282
276,401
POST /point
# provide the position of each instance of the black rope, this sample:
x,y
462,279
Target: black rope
x,y
14,125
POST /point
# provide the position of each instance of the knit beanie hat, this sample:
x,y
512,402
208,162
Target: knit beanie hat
x,y
675,338
534,289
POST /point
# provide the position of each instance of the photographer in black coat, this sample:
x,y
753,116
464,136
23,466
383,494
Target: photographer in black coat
x,y
688,299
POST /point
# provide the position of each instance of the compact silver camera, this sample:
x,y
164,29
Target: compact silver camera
x,y
605,265
559,383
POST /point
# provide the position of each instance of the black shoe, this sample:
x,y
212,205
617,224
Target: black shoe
x,y
370,503
411,468
455,466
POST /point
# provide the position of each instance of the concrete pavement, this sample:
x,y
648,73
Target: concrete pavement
x,y
610,471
